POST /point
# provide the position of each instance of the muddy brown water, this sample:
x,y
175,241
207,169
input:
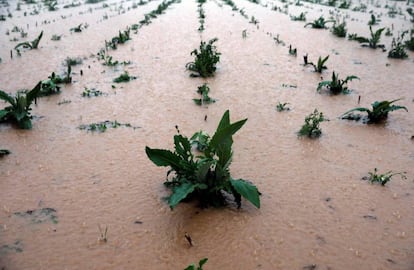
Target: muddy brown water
x,y
316,211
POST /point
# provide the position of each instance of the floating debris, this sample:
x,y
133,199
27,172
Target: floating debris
x,y
39,215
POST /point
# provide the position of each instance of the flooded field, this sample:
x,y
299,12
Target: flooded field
x,y
77,199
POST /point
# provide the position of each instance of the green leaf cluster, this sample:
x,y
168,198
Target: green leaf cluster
x,y
375,177
339,30
320,65
311,127
19,109
379,112
205,59
371,42
336,85
205,177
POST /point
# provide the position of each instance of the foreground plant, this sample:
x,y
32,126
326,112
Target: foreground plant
x,y
375,177
19,109
200,265
205,176
205,60
311,127
29,44
336,85
379,112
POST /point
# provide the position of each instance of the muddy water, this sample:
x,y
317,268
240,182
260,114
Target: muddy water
x,y
315,209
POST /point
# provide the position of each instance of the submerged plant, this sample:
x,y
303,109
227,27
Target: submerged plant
x,y
300,17
319,23
339,30
397,47
280,107
311,127
409,44
293,51
200,265
92,92
205,59
51,85
320,65
336,85
379,112
29,44
205,99
375,177
120,39
19,109
104,125
373,41
124,77
206,175
4,152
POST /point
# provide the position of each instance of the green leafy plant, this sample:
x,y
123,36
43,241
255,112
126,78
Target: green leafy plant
x,y
205,176
373,41
29,44
280,107
124,77
19,109
379,112
319,23
200,265
51,85
397,47
375,177
339,30
205,99
205,60
120,39
336,85
320,65
311,127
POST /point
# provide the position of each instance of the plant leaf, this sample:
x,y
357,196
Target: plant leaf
x,y
202,171
180,193
3,113
247,190
201,263
6,97
162,157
